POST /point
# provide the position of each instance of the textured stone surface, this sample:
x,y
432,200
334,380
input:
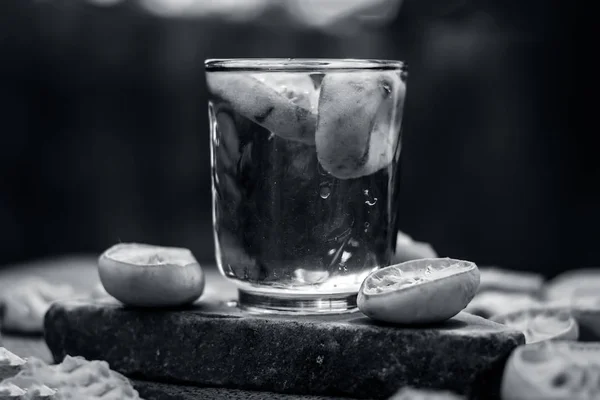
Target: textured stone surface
x,y
36,347
81,273
211,344
162,391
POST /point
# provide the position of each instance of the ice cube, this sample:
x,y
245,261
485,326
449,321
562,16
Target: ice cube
x,y
285,104
298,87
359,122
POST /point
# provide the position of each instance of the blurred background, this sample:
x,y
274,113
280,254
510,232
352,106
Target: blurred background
x,y
104,126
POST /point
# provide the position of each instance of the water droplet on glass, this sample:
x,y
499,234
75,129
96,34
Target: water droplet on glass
x,y
371,201
325,190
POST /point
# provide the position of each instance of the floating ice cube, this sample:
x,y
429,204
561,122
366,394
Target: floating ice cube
x,y
298,88
359,121
285,104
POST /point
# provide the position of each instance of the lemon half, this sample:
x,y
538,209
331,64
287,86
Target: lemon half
x,y
553,370
539,324
582,282
489,303
151,276
506,280
420,291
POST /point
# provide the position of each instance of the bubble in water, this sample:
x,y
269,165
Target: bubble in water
x,y
342,268
366,227
271,136
371,201
231,303
325,190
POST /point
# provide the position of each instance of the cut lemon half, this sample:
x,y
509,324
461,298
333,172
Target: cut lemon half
x,y
556,370
151,276
494,302
26,302
420,291
576,283
586,311
579,292
285,104
538,324
506,280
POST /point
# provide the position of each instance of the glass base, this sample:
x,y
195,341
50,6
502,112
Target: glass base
x,y
323,304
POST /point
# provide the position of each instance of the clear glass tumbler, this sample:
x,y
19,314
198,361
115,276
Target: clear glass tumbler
x,y
304,157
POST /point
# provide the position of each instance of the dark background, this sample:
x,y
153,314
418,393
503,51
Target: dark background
x,y
104,131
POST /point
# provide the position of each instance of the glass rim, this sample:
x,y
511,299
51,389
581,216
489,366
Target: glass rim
x,y
301,64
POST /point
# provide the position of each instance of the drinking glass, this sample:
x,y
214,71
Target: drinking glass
x,y
304,157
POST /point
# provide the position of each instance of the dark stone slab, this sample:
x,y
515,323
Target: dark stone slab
x,y
29,346
213,344
165,391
